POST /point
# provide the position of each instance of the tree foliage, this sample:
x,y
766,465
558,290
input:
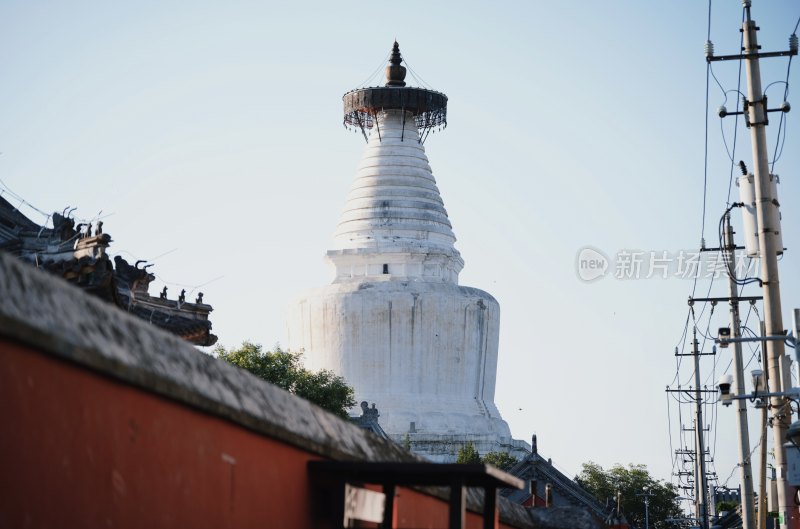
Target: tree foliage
x,y
468,455
502,460
285,370
727,506
631,481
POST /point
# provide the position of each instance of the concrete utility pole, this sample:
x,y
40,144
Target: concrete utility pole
x,y
745,469
646,495
797,337
768,253
701,484
762,481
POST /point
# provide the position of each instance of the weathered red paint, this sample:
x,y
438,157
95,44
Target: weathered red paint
x,y
425,512
81,450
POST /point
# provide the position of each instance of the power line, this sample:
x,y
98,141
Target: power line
x,y
736,118
782,120
380,67
419,79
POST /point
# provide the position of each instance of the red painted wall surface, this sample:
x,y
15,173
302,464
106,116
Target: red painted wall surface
x,y
78,449
418,510
88,451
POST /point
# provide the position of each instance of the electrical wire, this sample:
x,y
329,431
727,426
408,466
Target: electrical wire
x,y
191,287
669,429
713,75
705,142
728,265
736,120
418,78
375,72
749,458
15,196
776,155
754,352
722,125
682,343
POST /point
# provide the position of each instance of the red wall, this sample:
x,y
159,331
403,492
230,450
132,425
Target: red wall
x,y
78,449
418,510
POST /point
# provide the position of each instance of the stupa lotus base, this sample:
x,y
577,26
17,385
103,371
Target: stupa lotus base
x,y
444,448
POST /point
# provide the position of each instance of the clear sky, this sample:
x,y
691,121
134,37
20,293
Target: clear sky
x,y
209,135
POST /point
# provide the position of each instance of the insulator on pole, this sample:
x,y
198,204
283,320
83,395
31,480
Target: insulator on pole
x,y
709,48
793,43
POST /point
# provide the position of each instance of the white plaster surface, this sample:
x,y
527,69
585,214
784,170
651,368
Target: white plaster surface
x,y
394,322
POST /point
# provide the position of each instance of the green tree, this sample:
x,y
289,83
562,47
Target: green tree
x,y
631,481
727,506
284,369
502,460
467,454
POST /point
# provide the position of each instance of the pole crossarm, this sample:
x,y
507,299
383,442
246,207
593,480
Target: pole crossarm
x,y
759,55
793,394
728,299
723,249
691,396
779,338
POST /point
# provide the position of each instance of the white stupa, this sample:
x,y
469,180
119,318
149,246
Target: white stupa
x,y
395,323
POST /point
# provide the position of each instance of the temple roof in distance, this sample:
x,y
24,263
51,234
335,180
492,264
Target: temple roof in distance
x,y
80,256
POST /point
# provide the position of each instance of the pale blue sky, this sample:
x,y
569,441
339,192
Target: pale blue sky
x,y
215,129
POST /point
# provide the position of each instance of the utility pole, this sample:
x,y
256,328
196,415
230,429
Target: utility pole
x,y
746,473
699,453
762,481
797,336
756,109
700,459
646,495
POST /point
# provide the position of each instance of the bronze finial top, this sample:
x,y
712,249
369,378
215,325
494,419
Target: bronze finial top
x,y
395,72
363,105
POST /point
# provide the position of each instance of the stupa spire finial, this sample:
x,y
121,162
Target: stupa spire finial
x,y
428,108
395,72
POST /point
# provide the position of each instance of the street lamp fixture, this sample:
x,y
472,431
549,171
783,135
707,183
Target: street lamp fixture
x,y
724,385
759,391
723,337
